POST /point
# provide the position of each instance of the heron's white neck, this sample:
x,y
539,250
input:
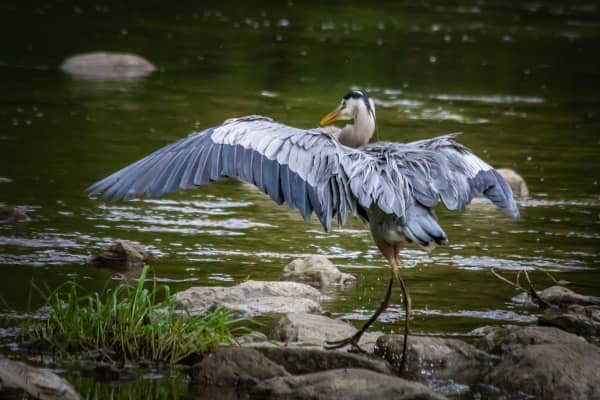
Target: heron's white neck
x,y
361,131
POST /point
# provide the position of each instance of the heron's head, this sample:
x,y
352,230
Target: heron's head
x,y
356,104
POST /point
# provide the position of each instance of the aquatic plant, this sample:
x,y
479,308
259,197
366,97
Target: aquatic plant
x,y
126,322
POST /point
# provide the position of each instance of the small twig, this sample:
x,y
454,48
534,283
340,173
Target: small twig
x,y
513,284
544,270
517,285
532,292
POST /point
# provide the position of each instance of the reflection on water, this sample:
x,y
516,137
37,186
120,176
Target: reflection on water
x,y
518,79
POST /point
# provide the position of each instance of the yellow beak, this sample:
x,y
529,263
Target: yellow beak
x,y
330,118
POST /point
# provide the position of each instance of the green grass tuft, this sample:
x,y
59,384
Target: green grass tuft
x,y
126,323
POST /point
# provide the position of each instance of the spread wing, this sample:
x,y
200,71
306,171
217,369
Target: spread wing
x,y
302,168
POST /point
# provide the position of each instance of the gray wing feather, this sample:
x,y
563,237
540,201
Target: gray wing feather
x,y
441,169
311,171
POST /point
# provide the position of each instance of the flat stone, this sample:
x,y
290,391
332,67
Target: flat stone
x,y
252,298
303,359
122,254
347,384
580,320
39,383
316,271
434,357
107,65
515,181
316,329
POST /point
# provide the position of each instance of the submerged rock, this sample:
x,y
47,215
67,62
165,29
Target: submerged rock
x,y
12,215
515,181
316,329
122,254
348,384
39,383
252,298
316,271
543,362
434,357
107,65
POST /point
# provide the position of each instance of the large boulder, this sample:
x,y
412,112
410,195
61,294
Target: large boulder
x,y
515,181
39,383
122,254
317,329
107,65
434,357
348,384
543,362
252,298
316,271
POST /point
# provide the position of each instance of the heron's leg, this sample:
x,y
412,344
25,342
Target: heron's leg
x,y
407,306
353,340
390,253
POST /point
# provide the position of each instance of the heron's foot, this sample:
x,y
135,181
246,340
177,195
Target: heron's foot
x,y
352,341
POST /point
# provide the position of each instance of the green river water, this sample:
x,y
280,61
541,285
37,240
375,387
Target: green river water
x,y
520,79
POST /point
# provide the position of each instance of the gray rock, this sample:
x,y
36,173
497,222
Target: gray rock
x,y
544,362
515,181
252,298
561,296
39,383
107,65
347,384
251,338
551,371
230,372
232,366
580,320
302,359
506,339
434,357
12,215
316,329
558,296
122,254
316,271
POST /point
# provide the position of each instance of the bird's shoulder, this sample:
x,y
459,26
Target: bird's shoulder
x,y
247,118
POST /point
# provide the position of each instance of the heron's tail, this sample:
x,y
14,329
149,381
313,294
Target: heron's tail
x,y
422,227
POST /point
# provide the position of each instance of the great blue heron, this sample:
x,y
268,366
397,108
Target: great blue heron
x,y
392,186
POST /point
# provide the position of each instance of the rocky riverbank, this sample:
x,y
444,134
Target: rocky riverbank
x,y
558,358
